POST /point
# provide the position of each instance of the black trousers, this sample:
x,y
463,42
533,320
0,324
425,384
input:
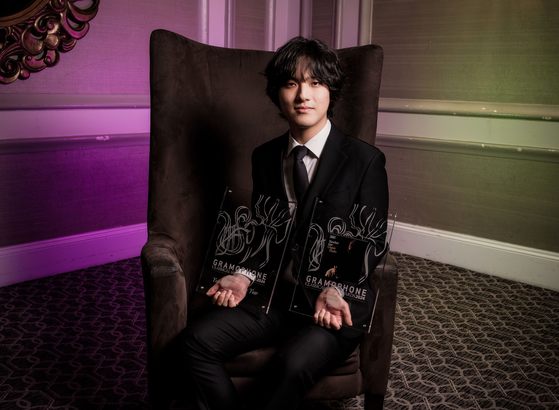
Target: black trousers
x,y
306,353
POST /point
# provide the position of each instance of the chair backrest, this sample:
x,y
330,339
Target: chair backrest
x,y
209,111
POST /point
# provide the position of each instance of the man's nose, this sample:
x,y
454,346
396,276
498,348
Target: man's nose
x,y
303,92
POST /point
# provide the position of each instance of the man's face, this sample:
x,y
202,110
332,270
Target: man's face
x,y
304,102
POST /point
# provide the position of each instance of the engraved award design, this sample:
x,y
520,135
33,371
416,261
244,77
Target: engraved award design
x,y
250,237
344,251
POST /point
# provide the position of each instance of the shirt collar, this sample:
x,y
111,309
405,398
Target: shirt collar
x,y
315,144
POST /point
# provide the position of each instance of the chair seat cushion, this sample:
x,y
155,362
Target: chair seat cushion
x,y
254,362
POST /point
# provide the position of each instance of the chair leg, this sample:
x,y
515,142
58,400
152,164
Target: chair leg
x,y
374,401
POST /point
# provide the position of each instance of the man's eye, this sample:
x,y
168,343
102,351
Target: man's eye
x,y
316,83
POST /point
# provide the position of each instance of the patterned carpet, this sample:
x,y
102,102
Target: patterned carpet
x,y
463,340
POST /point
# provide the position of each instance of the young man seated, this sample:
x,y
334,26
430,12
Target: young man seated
x,y
313,159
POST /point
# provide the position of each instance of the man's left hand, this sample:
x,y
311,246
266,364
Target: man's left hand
x,y
229,291
331,310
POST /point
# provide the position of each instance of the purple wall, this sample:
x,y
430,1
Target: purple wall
x,y
113,58
57,190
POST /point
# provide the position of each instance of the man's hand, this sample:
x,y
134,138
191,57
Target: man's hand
x,y
229,290
330,309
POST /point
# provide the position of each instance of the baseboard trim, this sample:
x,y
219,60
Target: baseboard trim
x,y
522,264
35,260
518,263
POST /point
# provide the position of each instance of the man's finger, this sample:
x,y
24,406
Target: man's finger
x,y
347,314
221,298
322,318
327,319
212,290
231,299
334,322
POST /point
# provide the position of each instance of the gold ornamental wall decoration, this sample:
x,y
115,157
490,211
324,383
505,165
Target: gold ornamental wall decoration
x,y
33,33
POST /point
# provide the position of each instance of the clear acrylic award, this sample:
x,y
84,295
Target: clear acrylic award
x,y
343,251
250,235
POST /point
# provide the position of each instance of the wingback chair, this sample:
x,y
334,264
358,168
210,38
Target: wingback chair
x,y
209,111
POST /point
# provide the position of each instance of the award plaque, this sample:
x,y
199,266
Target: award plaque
x,y
250,236
343,251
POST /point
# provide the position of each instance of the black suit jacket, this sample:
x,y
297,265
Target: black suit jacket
x,y
349,172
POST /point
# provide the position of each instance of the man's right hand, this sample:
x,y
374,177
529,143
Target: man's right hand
x,y
230,290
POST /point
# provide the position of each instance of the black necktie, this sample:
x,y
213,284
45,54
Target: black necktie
x,y
300,176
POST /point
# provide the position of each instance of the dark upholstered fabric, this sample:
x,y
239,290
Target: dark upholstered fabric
x,y
208,112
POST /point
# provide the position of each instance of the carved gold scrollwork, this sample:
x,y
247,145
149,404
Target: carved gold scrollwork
x,y
35,43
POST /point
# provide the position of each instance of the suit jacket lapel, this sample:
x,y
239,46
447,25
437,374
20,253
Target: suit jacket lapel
x,y
274,166
331,161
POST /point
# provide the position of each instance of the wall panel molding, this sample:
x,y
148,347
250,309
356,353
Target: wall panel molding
x,y
538,112
513,132
400,105
58,123
365,22
26,146
485,127
72,101
469,148
230,24
203,21
36,260
338,24
305,22
271,18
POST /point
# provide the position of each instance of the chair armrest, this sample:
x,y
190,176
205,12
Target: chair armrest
x,y
376,347
165,292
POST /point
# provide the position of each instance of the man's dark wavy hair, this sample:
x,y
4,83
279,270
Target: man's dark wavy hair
x,y
320,60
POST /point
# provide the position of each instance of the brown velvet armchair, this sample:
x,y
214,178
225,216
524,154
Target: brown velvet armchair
x,y
208,112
